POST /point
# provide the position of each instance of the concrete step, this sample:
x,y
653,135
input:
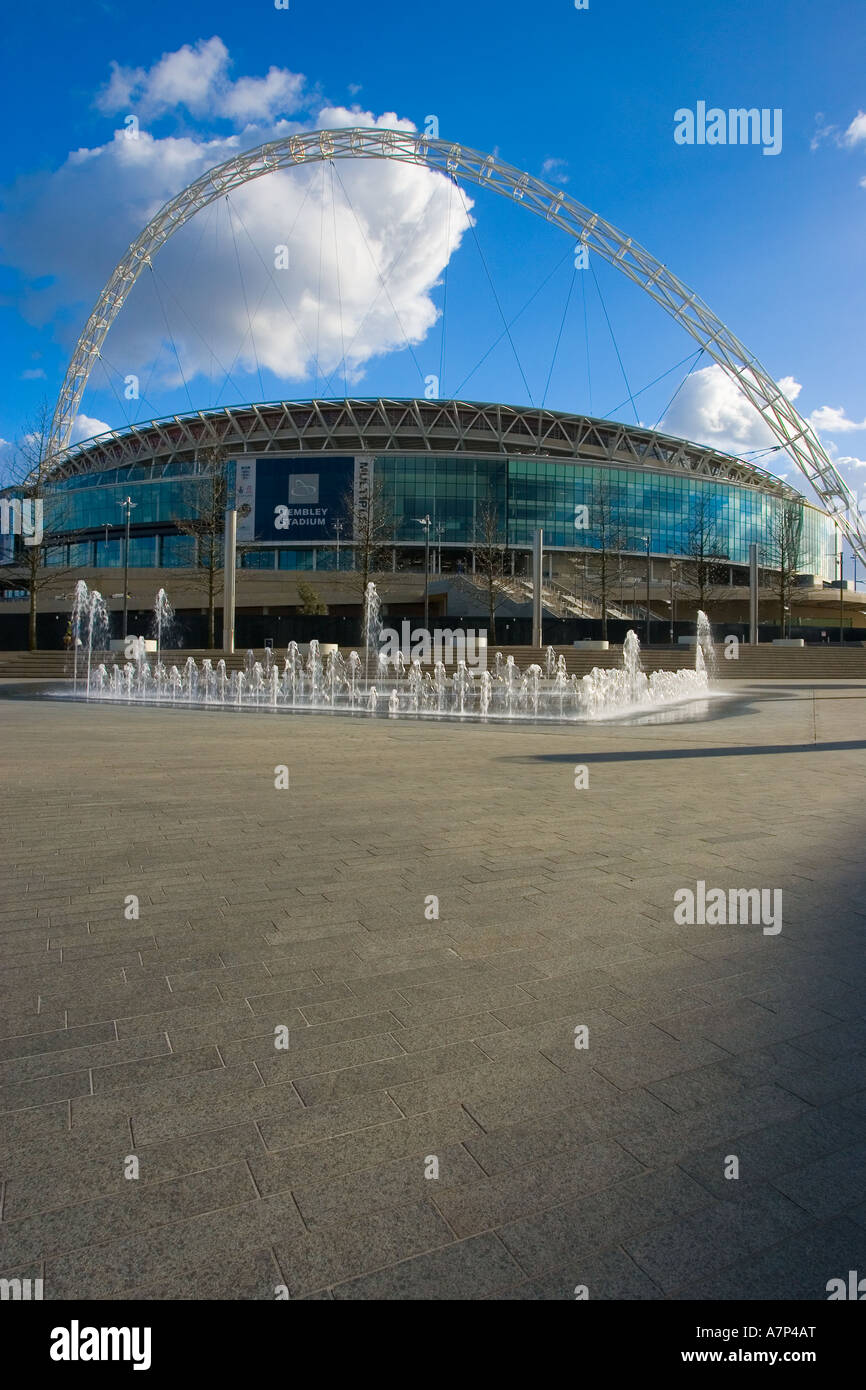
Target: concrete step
x,y
752,663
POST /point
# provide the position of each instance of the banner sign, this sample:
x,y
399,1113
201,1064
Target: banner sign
x,y
295,499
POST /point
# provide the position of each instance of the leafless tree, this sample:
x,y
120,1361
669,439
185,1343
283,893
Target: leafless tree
x,y
370,522
204,501
784,556
491,559
703,575
45,511
601,564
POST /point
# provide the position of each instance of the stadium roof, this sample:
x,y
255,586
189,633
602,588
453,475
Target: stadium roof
x,y
408,426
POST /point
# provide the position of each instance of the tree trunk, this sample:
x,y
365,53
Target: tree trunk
x,y
31,633
211,612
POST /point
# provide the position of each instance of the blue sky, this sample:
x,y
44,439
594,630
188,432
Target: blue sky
x,y
775,245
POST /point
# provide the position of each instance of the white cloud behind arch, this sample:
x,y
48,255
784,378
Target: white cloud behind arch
x,y
391,222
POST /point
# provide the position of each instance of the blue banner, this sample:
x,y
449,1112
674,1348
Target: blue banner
x,y
295,499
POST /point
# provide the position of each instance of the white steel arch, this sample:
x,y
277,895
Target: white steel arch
x,y
455,161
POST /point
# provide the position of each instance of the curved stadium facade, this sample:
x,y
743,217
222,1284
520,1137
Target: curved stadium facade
x,y
294,469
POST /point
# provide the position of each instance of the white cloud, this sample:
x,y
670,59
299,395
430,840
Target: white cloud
x,y
856,132
831,419
554,170
33,374
853,135
197,77
823,131
846,463
391,222
711,410
86,427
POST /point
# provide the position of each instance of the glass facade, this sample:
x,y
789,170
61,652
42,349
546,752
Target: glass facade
x,y
461,493
526,494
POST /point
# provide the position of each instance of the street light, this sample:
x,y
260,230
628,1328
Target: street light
x,y
674,574
426,522
634,580
440,532
107,525
127,504
646,541
338,526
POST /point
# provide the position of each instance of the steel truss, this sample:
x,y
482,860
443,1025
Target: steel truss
x,y
455,161
407,426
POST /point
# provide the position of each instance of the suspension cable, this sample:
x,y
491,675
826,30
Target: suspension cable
x,y
514,320
559,337
196,329
613,340
339,287
372,304
445,293
586,343
655,381
301,334
229,205
379,273
679,389
319,284
171,336
493,291
104,364
141,395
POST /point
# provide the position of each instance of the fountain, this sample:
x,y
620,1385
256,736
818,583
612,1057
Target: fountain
x,y
349,685
704,646
372,625
163,621
79,605
91,629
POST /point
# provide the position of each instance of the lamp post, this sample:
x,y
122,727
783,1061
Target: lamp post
x,y
841,595
440,532
426,523
646,541
674,572
107,525
127,505
338,526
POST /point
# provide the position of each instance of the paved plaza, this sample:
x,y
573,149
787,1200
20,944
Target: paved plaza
x,y
287,1075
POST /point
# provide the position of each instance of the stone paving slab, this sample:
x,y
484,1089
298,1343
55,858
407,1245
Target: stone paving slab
x,y
336,1045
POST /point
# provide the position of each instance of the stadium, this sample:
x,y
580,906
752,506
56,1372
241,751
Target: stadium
x,y
638,526
487,476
